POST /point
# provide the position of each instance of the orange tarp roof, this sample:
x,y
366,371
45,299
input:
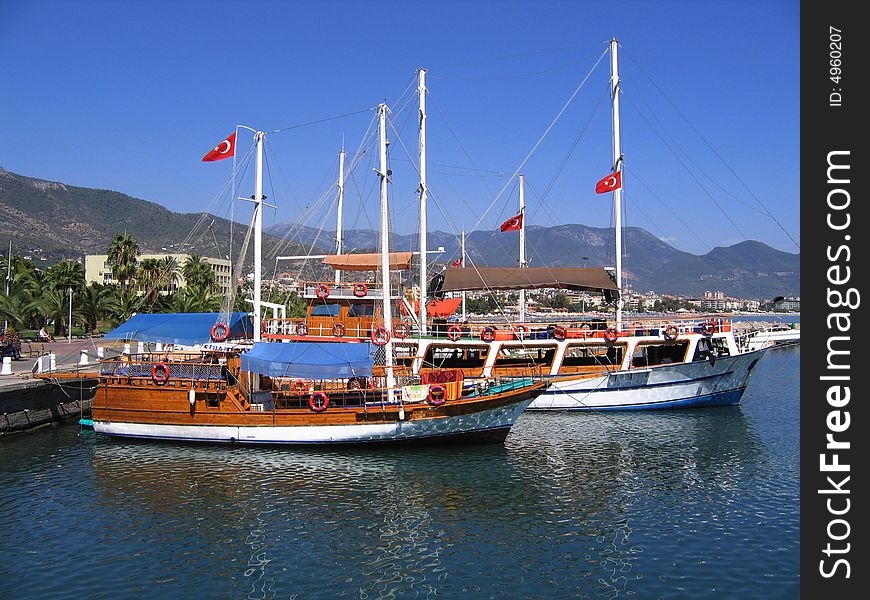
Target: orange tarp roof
x,y
399,261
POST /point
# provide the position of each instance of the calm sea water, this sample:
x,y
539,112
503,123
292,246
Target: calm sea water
x,y
685,504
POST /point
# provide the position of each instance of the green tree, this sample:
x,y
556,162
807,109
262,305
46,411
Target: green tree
x,y
122,303
198,273
54,305
64,275
148,278
194,298
94,304
123,251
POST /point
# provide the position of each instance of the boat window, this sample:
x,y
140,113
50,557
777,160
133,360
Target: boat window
x,y
325,310
404,354
525,356
590,355
455,357
649,355
361,310
717,346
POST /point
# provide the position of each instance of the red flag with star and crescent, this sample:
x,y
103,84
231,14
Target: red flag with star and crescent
x,y
457,263
513,224
225,149
609,183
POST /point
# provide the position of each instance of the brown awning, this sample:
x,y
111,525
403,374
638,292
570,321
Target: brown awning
x,y
399,261
592,279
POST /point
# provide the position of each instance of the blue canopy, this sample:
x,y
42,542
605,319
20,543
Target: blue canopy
x,y
310,360
181,328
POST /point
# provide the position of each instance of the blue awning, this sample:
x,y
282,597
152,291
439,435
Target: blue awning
x,y
310,360
181,328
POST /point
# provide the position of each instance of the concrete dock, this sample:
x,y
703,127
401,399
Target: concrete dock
x,y
27,402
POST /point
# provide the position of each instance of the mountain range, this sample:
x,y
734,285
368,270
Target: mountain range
x,y
50,221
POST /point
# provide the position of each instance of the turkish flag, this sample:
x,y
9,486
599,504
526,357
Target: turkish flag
x,y
225,149
609,183
513,224
457,263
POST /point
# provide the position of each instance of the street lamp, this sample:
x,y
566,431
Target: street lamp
x,y
69,322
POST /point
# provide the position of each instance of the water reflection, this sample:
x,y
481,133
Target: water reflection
x,y
554,509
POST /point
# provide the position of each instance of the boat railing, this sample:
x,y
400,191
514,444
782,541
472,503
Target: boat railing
x,y
161,369
322,290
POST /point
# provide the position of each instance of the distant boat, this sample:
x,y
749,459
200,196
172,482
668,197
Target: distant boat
x,y
778,334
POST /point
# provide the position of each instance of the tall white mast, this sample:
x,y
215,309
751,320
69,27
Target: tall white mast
x,y
339,224
385,248
523,263
421,93
462,264
258,234
617,166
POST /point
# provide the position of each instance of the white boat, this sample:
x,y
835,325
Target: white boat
x,y
778,334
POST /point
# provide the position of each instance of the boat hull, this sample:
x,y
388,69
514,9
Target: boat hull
x,y
481,421
681,385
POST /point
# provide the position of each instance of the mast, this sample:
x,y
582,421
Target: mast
x,y
339,224
523,263
258,234
462,264
385,248
421,93
617,166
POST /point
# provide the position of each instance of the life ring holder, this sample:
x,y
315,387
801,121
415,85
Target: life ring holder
x,y
318,401
322,291
487,334
671,332
338,330
360,290
380,336
224,330
454,332
708,328
559,333
437,395
301,328
520,331
610,335
160,373
401,330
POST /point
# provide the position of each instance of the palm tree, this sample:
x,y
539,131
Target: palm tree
x,y
168,273
123,251
194,298
197,272
53,305
148,277
122,303
64,275
94,304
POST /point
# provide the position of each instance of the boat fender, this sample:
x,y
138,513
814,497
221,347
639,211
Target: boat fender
x,y
559,333
380,336
707,328
318,402
360,290
160,373
487,334
191,396
338,330
220,332
402,330
671,332
322,291
454,332
437,395
610,335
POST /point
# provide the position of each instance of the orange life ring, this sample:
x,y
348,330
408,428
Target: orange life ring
x,y
707,328
318,402
610,335
402,330
637,325
520,331
671,332
263,326
437,395
322,291
487,334
301,328
380,336
454,332
360,290
160,373
559,333
224,330
299,386
338,330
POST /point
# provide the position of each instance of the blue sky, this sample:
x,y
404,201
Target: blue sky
x,y
130,95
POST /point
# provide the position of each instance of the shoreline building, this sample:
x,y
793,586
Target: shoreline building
x,y
98,269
